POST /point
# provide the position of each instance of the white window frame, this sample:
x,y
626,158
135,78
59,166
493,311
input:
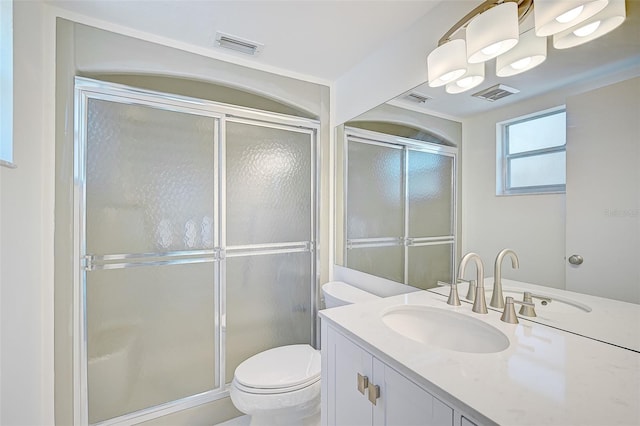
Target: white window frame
x,y
503,158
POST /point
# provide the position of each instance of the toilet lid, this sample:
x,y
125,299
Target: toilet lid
x,y
281,367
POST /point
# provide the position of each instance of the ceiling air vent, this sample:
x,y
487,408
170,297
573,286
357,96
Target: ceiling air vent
x,y
496,92
417,98
239,45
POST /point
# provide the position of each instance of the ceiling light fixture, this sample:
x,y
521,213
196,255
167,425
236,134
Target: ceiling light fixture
x,y
598,25
553,16
492,33
472,78
447,62
530,52
492,30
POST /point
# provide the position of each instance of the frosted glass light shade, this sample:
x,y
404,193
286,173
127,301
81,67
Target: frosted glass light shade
x,y
598,25
492,33
446,63
473,77
530,52
553,16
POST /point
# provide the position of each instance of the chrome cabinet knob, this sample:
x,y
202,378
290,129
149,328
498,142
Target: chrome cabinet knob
x,y
576,259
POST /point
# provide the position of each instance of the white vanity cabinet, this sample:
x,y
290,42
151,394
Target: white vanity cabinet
x,y
359,389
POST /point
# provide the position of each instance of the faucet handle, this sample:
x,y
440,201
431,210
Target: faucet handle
x,y
453,300
544,300
509,313
529,311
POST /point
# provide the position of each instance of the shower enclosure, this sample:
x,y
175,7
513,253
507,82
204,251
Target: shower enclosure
x,y
195,232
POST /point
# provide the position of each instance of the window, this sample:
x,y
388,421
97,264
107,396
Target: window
x,y
532,156
6,83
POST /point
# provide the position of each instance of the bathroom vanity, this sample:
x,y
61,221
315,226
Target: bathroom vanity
x,y
385,363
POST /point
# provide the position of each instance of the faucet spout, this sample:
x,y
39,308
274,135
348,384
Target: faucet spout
x,y
497,299
479,303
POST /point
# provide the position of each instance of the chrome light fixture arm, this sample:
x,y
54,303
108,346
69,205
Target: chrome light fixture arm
x,y
525,7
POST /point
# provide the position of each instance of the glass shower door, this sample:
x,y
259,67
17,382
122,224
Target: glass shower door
x,y
269,238
148,290
375,209
430,218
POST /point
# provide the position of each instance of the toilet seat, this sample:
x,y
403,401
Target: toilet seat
x,y
271,391
279,370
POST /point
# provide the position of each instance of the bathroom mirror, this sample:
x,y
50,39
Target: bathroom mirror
x,y
396,195
541,228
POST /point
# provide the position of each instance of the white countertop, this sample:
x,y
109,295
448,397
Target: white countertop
x,y
608,320
545,377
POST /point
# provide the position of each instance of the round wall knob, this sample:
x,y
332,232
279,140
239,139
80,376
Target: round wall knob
x,y
576,259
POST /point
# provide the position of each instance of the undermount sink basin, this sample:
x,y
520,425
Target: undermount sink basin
x,y
446,329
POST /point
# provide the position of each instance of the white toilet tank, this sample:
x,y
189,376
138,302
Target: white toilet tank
x,y
338,293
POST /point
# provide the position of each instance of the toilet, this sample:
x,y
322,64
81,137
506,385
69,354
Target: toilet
x,y
281,386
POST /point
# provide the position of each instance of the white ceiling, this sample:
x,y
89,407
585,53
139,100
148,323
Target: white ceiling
x,y
323,40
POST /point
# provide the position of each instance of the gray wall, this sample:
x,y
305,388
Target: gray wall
x,y
532,225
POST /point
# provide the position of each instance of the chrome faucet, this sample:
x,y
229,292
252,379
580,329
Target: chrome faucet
x,y
479,303
497,299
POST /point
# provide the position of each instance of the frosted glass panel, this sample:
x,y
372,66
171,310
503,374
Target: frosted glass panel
x,y
375,206
547,169
268,304
428,264
149,180
541,132
150,336
430,194
385,262
269,178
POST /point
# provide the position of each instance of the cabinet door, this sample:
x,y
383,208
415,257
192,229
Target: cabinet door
x,y
345,404
403,403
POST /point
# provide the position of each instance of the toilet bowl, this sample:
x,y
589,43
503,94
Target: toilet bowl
x,y
281,386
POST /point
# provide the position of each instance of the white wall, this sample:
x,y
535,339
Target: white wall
x,y
532,225
26,229
397,65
